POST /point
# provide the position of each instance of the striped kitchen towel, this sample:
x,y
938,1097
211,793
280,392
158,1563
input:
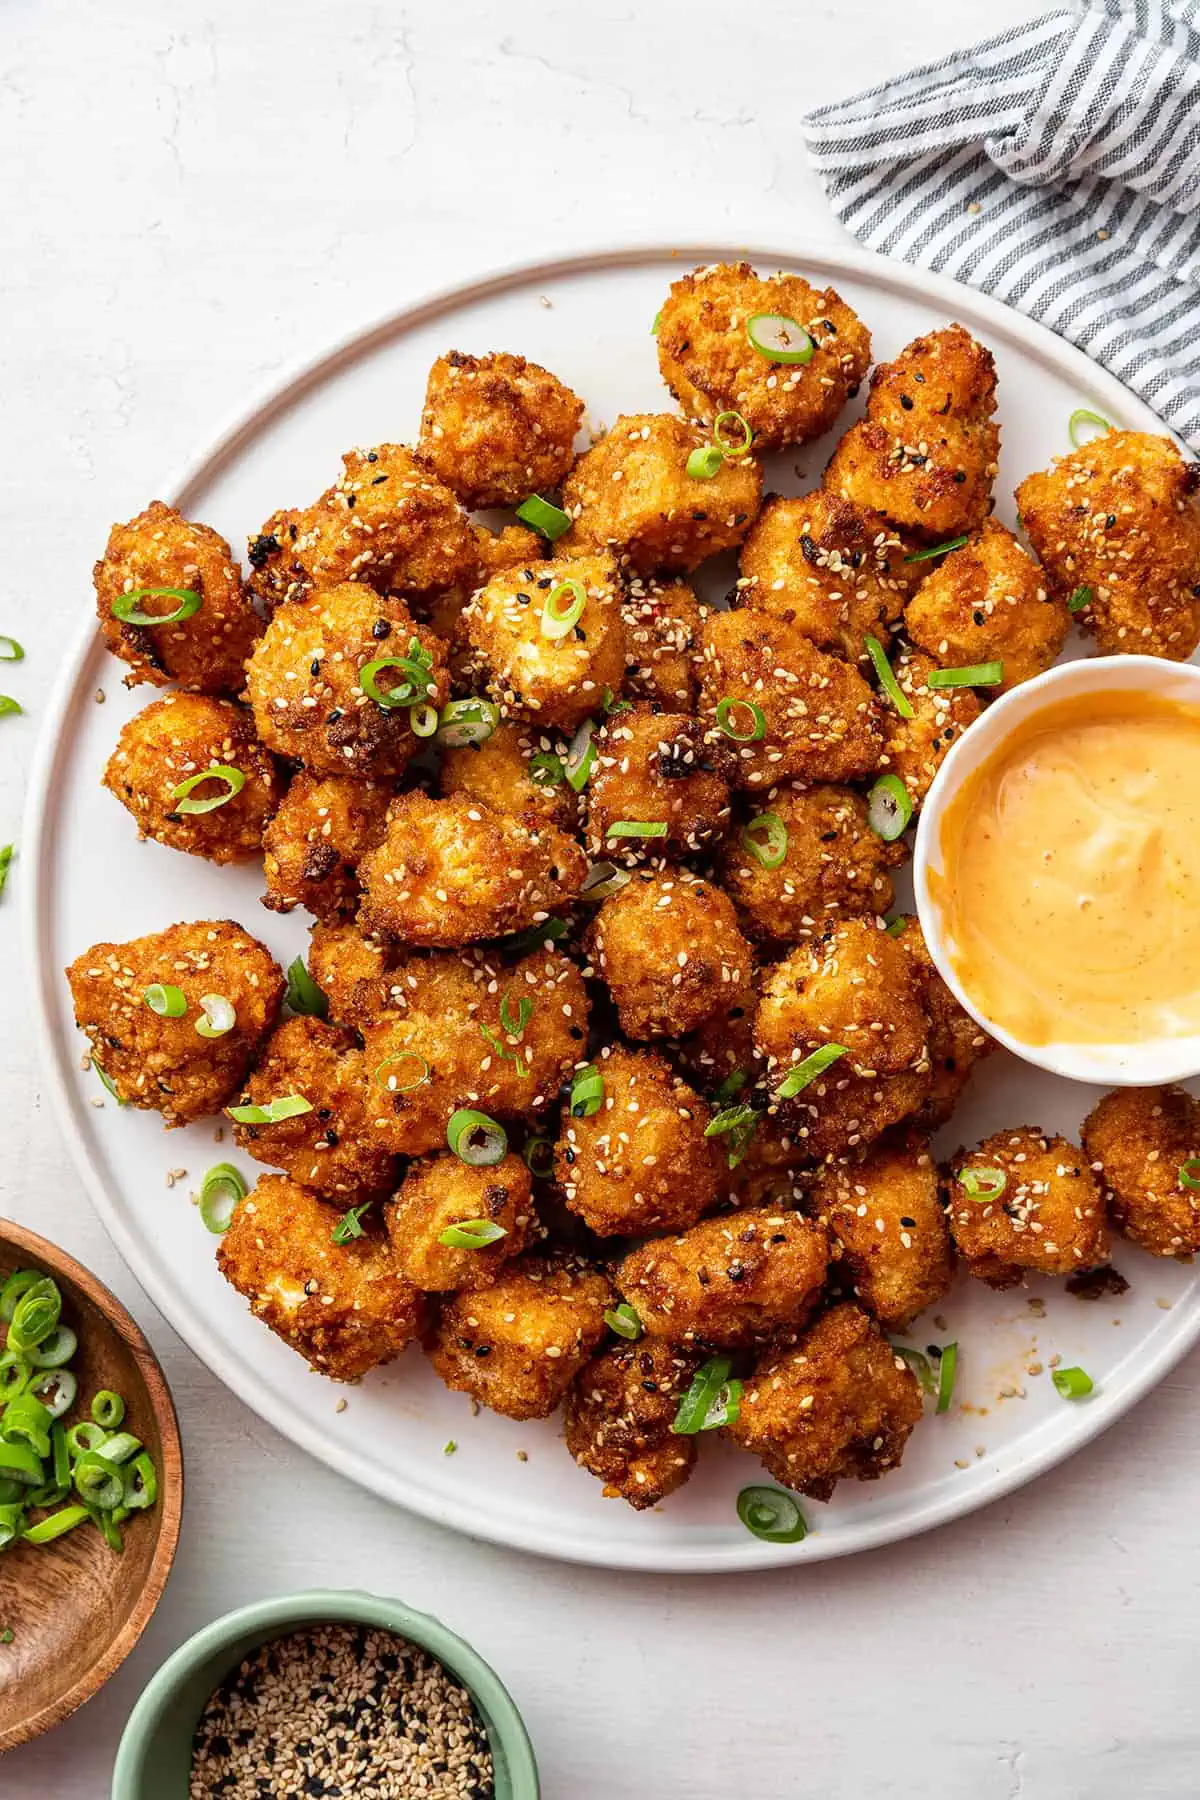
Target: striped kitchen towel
x,y
1057,167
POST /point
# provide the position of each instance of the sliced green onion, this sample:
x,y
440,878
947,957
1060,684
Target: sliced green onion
x,y
637,828
895,927
559,616
472,1234
624,1321
57,1525
1189,1173
55,1350
416,667
1080,598
476,1139
587,1093
303,994
712,1399
119,1447
1080,420
168,1002
889,808
395,1083
49,1494
37,1314
954,543
919,1363
985,674
466,722
98,1482
1072,1384
84,1437
222,1189
725,720
547,520
140,1483
125,606
56,1389
19,1463
779,338
546,770
737,1124
27,1421
106,1524
423,720
515,1026
16,1374
287,1106
18,1283
7,852
731,1087
603,880
887,677
9,705
766,838
704,463
581,757
983,1183
797,1079
350,1225
233,779
60,1450
657,320
771,1515
106,1081
219,1016
613,706
947,1371
534,937
108,1409
12,1493
539,1157
12,1523
745,435
14,653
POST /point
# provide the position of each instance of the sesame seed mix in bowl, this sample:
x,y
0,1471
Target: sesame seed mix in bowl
x,y
338,1711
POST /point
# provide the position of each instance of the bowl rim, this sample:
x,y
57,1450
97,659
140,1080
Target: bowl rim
x,y
168,1513
1146,1065
512,1749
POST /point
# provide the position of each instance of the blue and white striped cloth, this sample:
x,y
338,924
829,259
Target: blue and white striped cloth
x,y
1056,167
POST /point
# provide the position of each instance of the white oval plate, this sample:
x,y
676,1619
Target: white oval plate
x,y
87,878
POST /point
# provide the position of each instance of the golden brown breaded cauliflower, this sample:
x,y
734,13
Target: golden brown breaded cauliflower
x,y
838,1405
343,1307
618,1418
915,748
722,1048
496,428
655,769
453,872
641,1163
773,1168
165,1064
1144,1148
925,455
204,651
849,985
711,366
887,1215
631,494
167,746
440,1192
834,571
988,602
469,1031
1048,1216
1117,526
518,770
507,548
529,665
808,851
350,970
669,947
305,682
662,628
797,714
331,1145
956,1041
839,1112
728,1280
387,521
517,1345
313,844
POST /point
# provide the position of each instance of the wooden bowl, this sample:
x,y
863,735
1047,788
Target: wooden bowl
x,y
75,1608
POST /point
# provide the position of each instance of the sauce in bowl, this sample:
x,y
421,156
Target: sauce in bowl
x,y
1069,857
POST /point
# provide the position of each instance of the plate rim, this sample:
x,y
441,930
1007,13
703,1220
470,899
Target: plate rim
x,y
830,261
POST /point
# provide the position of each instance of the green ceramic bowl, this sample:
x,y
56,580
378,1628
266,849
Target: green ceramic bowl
x,y
155,1752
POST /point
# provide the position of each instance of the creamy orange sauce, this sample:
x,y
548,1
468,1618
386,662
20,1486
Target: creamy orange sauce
x,y
1071,859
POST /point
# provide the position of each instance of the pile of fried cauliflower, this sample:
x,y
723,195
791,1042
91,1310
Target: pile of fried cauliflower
x,y
616,1066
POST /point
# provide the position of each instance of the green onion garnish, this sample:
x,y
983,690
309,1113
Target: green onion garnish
x,y
612,705
287,1106
738,1124
602,881
350,1225
416,1072
168,1002
1080,598
725,720
546,770
581,757
983,1183
779,338
476,1139
889,808
563,608
472,1234
35,1317
1080,420
766,838
534,937
986,674
1189,1173
303,994
895,927
219,1016
16,1373
918,1362
711,1400
125,606
466,722
587,1093
744,439
624,1321
947,1371
547,520
16,1285
954,543
416,667
106,1081
108,1409
704,463
220,1191
233,779
1072,1384
797,1079
7,851
55,1525
423,720
515,1024
55,1350
14,652
637,828
9,705
654,327
772,1515
887,677
539,1157
98,1482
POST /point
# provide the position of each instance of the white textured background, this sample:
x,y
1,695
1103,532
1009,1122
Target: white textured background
x,y
193,196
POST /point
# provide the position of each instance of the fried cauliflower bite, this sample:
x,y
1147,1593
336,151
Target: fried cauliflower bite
x,y
440,1192
925,455
655,769
886,1214
669,947
839,1114
722,1048
351,971
711,366
618,1417
204,652
730,1280
642,1163
989,602
503,773
164,1064
343,1307
505,549
1141,1143
956,1041
838,1405
774,1168
817,718
517,1345
449,1038
305,682
662,628
915,749
1117,525
1048,1219
832,570
169,744
496,428
631,494
831,862
313,844
849,985
453,872
553,678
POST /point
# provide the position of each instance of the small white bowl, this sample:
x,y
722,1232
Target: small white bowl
x,y
1121,1065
